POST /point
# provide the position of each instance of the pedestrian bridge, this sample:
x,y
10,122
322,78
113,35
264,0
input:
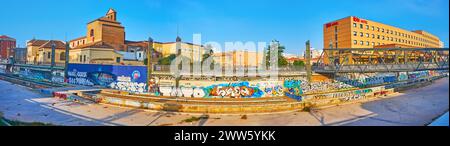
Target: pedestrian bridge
x,y
382,60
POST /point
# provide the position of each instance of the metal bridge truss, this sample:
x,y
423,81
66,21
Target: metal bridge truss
x,y
367,60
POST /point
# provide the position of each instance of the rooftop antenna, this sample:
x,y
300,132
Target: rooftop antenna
x,y
178,29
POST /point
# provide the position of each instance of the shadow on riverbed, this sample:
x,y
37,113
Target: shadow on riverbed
x,y
416,107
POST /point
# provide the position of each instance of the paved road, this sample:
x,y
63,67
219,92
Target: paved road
x,y
416,107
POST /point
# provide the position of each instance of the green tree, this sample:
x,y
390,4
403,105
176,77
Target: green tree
x,y
167,60
209,52
282,62
298,63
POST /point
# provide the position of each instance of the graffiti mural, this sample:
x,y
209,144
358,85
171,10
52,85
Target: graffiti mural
x,y
402,76
233,90
126,78
293,89
418,75
271,89
125,84
56,76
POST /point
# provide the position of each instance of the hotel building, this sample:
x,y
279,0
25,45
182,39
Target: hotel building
x,y
354,32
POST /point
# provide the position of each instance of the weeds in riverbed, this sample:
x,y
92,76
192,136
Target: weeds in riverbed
x,y
244,117
195,119
19,123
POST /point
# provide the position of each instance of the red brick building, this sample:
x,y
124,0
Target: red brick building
x,y
7,46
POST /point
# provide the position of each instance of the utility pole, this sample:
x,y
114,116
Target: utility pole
x,y
66,63
149,61
178,47
308,62
52,65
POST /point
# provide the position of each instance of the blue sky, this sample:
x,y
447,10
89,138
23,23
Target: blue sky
x,y
292,22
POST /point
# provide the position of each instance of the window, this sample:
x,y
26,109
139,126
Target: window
x,y
355,33
62,56
373,36
378,29
81,58
354,24
355,42
361,43
118,59
367,27
361,26
84,58
378,36
373,27
49,55
367,34
378,43
367,43
361,34
383,37
91,34
373,43
382,30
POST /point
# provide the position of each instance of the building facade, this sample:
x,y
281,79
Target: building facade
x,y
108,33
354,32
7,45
39,51
238,59
105,29
20,55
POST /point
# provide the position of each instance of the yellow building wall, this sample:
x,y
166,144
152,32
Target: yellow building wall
x,y
194,52
32,53
43,55
95,55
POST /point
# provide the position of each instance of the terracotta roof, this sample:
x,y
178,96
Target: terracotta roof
x,y
47,43
95,45
5,37
83,37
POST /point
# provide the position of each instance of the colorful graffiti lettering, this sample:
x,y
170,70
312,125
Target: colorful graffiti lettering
x,y
133,87
233,90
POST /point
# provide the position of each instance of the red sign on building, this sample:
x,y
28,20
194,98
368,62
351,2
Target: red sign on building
x,y
331,24
356,19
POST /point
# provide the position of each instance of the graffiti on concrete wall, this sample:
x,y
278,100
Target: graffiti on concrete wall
x,y
124,83
79,78
125,78
402,76
418,75
271,89
293,89
56,76
225,90
196,92
233,90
